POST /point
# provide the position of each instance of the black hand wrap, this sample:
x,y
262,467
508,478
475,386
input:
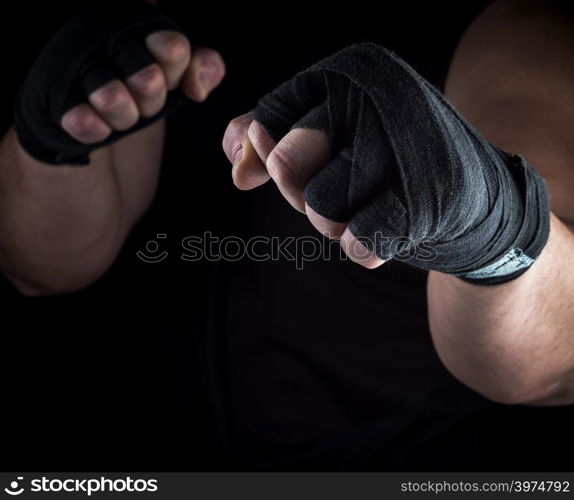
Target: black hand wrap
x,y
408,169
104,42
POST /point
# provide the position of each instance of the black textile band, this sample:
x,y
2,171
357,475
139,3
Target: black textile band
x,y
407,165
104,42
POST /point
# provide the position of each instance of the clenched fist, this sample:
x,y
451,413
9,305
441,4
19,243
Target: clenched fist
x,y
377,156
110,71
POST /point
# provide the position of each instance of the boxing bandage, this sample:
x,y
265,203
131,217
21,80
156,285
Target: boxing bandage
x,y
104,42
407,167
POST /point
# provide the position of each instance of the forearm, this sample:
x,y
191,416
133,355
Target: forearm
x,y
511,342
61,227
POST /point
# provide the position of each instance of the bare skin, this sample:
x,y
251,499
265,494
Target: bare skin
x,y
61,228
512,77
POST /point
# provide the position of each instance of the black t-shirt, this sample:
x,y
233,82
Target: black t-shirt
x,y
243,364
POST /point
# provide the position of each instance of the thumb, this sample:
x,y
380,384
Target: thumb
x,y
248,170
205,72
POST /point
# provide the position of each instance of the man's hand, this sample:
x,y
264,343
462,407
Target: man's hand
x,y
406,175
119,104
110,71
512,343
95,98
290,163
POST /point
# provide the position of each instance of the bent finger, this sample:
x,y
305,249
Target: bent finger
x,y
358,252
295,159
84,124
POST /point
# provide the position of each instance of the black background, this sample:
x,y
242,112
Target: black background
x,y
102,379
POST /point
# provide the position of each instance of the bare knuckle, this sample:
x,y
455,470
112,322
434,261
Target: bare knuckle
x,y
78,122
236,125
236,122
175,48
149,81
110,98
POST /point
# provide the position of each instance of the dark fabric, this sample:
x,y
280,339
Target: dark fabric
x,y
103,42
409,170
331,367
163,366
